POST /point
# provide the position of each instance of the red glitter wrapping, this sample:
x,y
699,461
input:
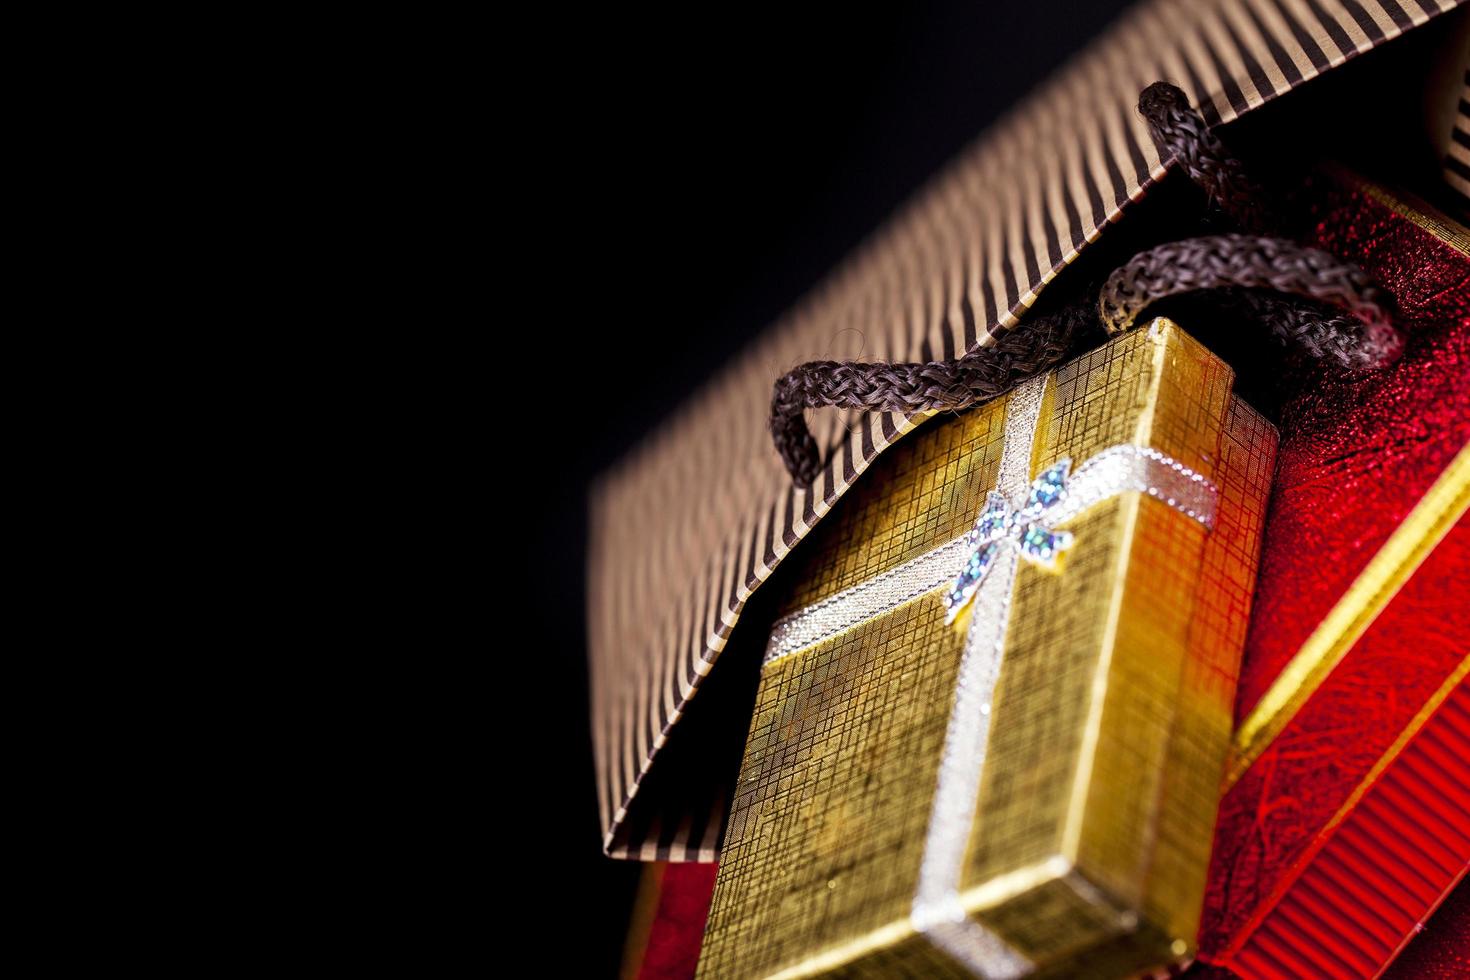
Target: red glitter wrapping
x,y
1356,455
1286,799
677,930
1366,884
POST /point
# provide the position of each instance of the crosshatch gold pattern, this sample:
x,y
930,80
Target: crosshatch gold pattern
x,y
931,493
846,734
1111,716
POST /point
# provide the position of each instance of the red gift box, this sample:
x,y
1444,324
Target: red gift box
x,y
1346,815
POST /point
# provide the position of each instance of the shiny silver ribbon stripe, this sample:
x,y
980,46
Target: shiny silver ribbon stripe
x,y
873,597
937,911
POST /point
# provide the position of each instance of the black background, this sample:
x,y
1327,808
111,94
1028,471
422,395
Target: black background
x,y
702,174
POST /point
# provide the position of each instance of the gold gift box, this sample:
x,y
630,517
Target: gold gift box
x,y
1105,732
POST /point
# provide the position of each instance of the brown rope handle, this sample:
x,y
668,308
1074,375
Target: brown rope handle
x,y
1182,137
1367,338
952,384
1251,270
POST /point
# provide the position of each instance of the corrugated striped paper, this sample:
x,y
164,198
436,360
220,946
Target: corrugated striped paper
x,y
688,526
1457,147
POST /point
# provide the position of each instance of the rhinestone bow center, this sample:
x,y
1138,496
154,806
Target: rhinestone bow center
x,y
1002,524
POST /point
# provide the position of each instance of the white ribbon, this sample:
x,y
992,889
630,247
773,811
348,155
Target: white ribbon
x,y
937,911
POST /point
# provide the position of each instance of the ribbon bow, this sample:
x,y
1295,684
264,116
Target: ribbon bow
x,y
1057,496
1001,525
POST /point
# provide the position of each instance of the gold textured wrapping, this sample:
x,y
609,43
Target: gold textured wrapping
x,y
1111,714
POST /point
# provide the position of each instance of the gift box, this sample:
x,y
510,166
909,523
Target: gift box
x,y
1345,818
1033,784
